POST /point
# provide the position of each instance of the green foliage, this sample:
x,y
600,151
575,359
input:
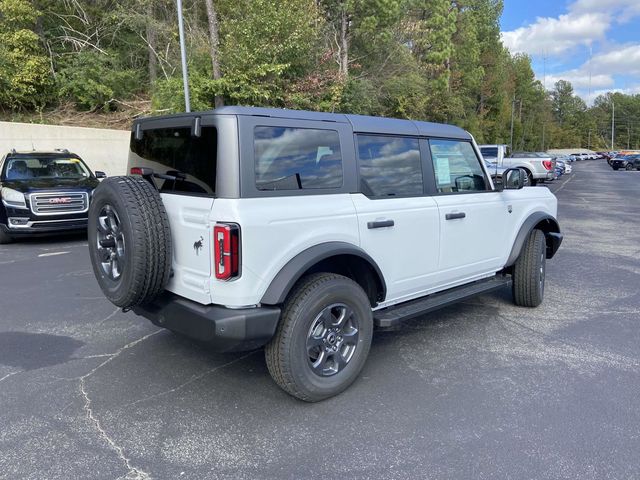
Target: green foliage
x,y
434,60
25,76
94,80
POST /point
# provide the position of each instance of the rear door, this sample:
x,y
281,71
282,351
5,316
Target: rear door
x,y
398,223
186,148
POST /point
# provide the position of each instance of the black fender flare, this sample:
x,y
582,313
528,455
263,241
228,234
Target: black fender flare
x,y
551,231
288,275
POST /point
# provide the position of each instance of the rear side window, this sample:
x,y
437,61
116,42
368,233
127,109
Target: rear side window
x,y
457,167
489,151
389,166
297,158
176,152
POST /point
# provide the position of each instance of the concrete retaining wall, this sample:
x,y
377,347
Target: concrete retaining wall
x,y
101,149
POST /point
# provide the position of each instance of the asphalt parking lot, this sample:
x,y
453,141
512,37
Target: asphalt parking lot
x,y
479,390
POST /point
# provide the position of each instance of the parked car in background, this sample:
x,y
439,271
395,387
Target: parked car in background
x,y
538,168
630,161
43,193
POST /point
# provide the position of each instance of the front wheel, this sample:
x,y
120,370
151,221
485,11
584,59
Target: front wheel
x,y
323,337
529,271
615,168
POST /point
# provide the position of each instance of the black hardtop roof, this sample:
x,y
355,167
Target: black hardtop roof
x,y
359,123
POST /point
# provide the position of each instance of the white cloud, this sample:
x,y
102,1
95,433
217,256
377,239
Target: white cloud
x,y
555,36
625,60
634,90
579,78
625,10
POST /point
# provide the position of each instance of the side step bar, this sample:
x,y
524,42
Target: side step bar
x,y
393,316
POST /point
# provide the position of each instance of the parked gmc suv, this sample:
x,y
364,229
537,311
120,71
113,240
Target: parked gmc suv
x,y
44,193
302,231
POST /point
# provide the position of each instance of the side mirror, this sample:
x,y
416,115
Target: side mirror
x,y
100,174
514,178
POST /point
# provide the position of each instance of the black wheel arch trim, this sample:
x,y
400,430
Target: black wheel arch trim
x,y
544,222
288,275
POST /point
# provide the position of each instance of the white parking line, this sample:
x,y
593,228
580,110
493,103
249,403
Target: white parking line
x,y
51,254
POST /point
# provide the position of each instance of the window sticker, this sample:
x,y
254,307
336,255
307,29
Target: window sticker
x,y
444,172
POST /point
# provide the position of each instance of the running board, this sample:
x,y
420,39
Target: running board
x,y
393,316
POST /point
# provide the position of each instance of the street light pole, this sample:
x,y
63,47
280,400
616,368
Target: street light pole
x,y
613,122
183,55
513,108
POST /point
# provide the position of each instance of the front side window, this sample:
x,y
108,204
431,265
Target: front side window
x,y
297,158
456,167
389,166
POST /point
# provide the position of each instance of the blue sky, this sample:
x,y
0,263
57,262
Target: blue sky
x,y
594,44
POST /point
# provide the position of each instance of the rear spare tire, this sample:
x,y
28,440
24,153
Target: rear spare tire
x,y
129,240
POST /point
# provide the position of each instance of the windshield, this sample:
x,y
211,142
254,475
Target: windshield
x,y
25,168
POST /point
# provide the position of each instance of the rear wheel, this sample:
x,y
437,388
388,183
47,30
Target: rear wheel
x,y
529,271
323,337
129,240
532,181
5,238
629,167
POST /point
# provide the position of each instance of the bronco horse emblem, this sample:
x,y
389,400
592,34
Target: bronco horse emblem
x,y
197,246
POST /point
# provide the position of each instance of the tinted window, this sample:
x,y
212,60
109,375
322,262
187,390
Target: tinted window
x,y
297,158
489,151
171,150
456,167
389,166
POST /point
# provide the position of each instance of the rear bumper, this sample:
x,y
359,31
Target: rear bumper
x,y
224,329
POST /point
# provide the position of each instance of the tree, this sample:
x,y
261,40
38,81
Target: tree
x,y
25,76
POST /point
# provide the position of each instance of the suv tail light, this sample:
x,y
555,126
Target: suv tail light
x,y
547,164
226,250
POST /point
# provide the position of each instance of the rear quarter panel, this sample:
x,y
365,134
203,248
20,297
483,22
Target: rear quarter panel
x,y
273,231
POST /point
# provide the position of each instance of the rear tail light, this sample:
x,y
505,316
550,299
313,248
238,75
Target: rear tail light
x,y
226,250
141,171
547,164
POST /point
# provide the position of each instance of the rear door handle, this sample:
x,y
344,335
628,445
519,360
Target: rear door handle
x,y
380,224
453,216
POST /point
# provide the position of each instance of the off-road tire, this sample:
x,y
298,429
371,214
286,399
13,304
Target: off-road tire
x,y
529,271
615,168
4,238
286,355
147,239
629,167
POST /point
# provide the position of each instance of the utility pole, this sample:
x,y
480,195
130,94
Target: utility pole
x,y
183,55
613,123
513,111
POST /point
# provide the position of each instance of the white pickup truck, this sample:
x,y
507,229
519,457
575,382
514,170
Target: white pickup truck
x,y
539,166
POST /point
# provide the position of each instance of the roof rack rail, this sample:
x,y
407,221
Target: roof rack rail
x,y
63,150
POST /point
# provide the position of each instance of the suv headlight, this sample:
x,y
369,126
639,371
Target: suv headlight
x,y
13,198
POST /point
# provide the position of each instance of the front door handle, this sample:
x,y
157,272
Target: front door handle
x,y
453,216
380,224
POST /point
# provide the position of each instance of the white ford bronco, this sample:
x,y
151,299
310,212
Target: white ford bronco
x,y
302,231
